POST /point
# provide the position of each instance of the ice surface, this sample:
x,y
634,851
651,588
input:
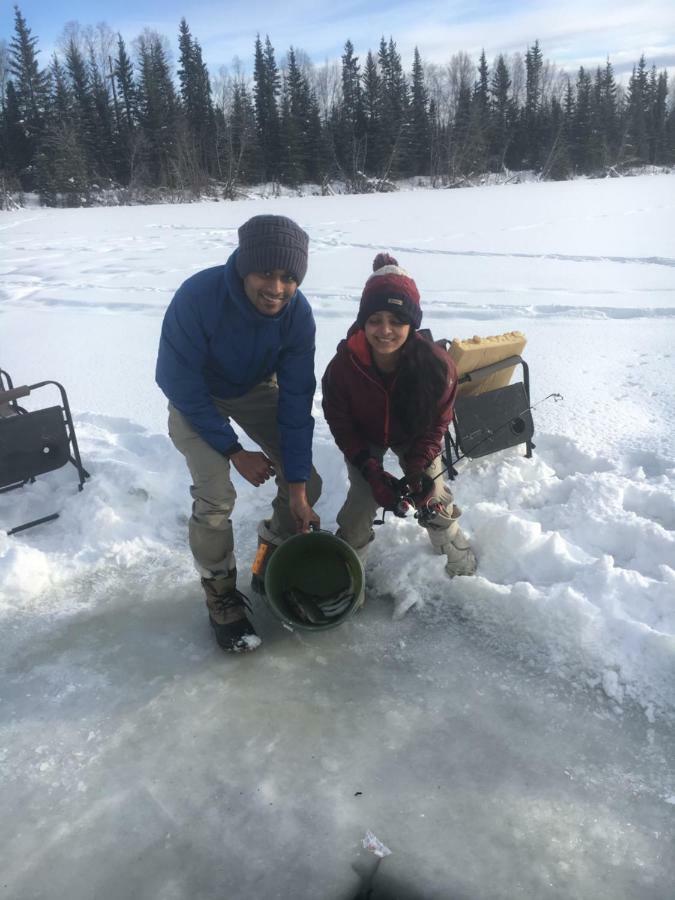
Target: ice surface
x,y
510,736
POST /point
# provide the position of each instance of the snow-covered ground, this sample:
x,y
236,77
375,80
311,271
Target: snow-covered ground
x,y
510,735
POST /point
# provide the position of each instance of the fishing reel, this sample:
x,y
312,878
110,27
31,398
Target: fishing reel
x,y
406,502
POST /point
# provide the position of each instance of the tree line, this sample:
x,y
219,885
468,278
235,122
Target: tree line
x,y
100,116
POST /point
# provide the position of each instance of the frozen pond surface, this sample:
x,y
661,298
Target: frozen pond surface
x,y
511,736
146,766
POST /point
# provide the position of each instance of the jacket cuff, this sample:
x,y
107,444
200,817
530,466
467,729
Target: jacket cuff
x,y
360,459
415,466
235,448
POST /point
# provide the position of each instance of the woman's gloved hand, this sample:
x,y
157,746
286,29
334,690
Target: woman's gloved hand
x,y
421,488
385,487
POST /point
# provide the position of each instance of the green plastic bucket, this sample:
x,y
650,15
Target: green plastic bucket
x,y
314,581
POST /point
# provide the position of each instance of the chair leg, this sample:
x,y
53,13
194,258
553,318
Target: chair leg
x,y
33,523
19,484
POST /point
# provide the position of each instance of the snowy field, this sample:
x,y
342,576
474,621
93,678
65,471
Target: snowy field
x,y
510,735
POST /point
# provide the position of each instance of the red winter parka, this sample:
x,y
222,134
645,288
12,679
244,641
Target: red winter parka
x,y
357,403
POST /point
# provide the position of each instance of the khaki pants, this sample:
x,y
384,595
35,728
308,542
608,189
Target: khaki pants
x,y
210,528
355,519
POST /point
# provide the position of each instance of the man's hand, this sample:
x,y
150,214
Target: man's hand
x,y
253,465
301,511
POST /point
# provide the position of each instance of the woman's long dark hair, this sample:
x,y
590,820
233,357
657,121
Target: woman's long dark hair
x,y
421,380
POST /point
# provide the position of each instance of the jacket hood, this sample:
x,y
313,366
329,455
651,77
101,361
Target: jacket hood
x,y
355,346
358,345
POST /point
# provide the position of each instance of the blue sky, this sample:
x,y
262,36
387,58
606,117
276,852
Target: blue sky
x,y
571,33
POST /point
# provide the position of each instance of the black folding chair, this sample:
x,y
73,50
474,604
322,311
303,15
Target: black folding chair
x,y
486,421
34,442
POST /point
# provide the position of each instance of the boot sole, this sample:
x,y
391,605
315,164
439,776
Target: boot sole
x,y
238,640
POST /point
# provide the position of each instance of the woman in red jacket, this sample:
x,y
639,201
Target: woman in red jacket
x,y
388,387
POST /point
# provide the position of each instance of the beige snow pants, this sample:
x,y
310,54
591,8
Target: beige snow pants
x,y
210,528
355,519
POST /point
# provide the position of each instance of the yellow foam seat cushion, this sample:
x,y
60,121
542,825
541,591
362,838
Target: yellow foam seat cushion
x,y
476,352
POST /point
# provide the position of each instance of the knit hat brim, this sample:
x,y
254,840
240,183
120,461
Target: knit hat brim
x,y
267,243
390,289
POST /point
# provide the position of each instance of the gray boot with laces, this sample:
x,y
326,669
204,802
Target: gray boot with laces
x,y
227,613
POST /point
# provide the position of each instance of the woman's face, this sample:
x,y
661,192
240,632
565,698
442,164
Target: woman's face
x,y
386,333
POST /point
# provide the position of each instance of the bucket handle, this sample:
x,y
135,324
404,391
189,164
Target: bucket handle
x,y
316,529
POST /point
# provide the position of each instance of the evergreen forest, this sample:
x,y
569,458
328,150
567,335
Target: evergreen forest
x,y
105,120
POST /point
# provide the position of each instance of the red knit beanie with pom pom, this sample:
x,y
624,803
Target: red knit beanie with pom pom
x,y
390,288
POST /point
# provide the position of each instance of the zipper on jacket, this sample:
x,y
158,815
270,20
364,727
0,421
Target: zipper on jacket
x,y
379,384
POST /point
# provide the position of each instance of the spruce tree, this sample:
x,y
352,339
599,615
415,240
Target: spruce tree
x,y
581,127
195,91
636,137
61,103
304,110
31,97
372,113
124,77
349,125
531,117
459,157
438,141
477,139
62,172
107,152
295,111
352,95
244,154
84,113
15,145
481,93
658,96
158,112
265,91
395,102
420,126
558,165
501,116
670,129
185,70
604,117
290,166
125,97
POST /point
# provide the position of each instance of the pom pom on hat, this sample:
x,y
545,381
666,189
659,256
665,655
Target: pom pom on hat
x,y
390,288
383,259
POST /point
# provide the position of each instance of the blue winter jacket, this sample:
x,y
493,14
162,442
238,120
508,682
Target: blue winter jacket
x,y
215,343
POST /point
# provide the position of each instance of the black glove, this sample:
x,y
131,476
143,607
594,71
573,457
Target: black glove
x,y
421,488
386,489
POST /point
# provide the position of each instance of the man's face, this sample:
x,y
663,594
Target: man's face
x,y
269,292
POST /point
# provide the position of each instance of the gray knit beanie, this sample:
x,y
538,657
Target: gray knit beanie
x,y
272,242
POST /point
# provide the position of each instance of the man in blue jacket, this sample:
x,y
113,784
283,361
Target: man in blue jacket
x,y
237,345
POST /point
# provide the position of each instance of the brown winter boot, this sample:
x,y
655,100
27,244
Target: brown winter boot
x,y
265,550
227,614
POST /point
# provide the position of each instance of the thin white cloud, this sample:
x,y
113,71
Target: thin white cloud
x,y
570,34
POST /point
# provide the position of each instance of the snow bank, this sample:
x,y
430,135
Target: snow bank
x,y
576,546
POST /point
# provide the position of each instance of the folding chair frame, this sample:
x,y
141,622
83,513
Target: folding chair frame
x,y
520,424
9,395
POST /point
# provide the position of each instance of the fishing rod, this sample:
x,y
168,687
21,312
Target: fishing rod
x,y
489,433
406,499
